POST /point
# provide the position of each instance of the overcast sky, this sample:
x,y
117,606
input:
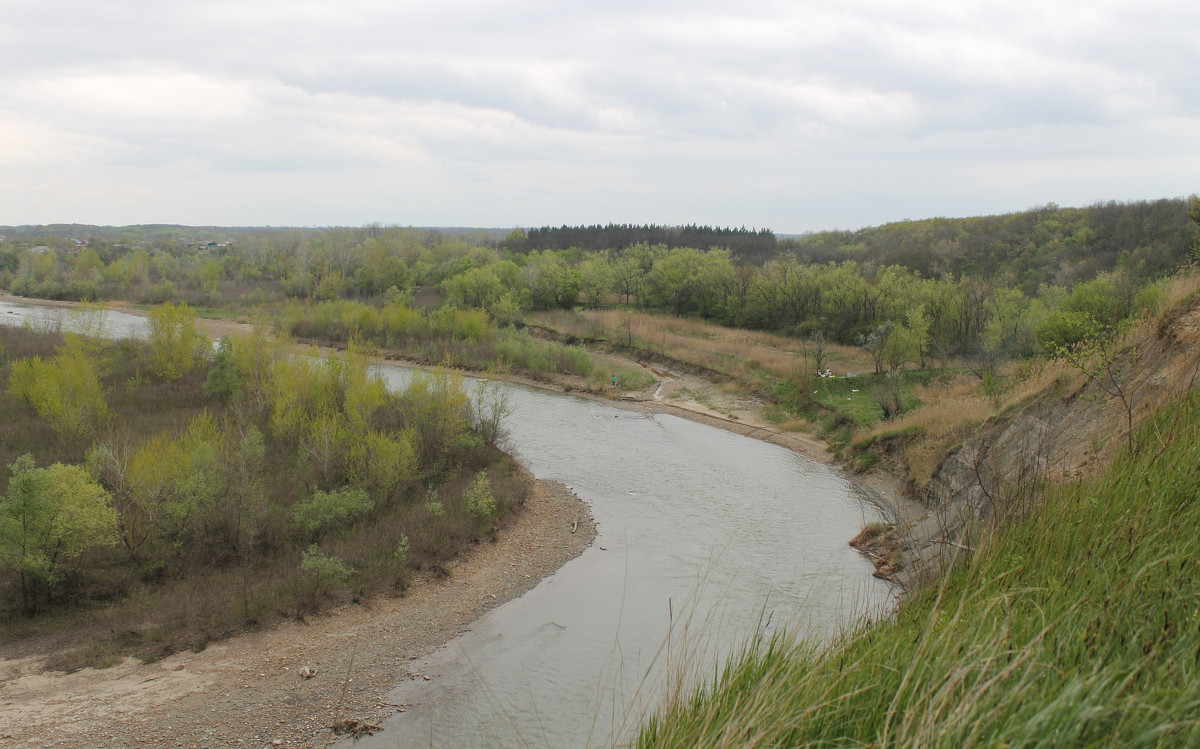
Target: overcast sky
x,y
792,115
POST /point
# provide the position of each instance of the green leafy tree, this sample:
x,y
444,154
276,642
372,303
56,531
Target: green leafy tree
x,y
49,518
382,463
65,390
438,408
480,500
255,355
331,286
223,379
902,345
917,322
324,444
1067,328
509,308
178,485
1194,215
596,279
476,288
175,342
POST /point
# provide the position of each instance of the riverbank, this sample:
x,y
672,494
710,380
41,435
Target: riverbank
x,y
697,399
684,395
250,691
248,688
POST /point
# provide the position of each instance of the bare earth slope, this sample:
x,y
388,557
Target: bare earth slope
x,y
1058,436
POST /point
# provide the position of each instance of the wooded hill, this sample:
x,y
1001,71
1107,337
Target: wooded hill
x,y
1044,244
1047,244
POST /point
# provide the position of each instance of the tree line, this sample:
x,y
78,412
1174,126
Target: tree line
x,y
984,286
748,245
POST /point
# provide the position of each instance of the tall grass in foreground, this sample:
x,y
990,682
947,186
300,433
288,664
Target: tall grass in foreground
x,y
1077,626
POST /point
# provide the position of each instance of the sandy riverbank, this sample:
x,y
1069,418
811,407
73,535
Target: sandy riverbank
x,y
248,691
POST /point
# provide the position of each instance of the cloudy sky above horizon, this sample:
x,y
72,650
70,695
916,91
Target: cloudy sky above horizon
x,y
795,116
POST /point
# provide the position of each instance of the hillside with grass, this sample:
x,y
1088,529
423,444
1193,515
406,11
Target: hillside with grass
x,y
1071,616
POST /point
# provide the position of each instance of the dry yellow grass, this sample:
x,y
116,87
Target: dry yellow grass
x,y
734,352
953,408
1180,288
950,410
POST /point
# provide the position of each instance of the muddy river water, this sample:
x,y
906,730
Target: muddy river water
x,y
705,537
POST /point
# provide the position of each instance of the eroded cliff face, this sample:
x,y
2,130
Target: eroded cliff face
x,y
1076,426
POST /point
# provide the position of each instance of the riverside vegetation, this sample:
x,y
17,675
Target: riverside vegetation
x,y
1073,621
907,306
159,496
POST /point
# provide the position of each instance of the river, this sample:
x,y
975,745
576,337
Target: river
x,y
705,537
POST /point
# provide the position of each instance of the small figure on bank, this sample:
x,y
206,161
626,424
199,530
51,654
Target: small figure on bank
x,y
614,380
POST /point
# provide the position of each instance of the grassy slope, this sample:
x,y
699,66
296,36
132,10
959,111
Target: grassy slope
x,y
1078,626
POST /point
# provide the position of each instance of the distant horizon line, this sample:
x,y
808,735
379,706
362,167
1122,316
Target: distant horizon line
x,y
1050,205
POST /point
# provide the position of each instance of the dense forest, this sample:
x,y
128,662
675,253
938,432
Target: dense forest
x,y
1044,245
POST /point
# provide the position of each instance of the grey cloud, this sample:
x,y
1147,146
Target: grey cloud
x,y
705,106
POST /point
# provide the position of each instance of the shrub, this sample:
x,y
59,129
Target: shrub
x,y
223,379
479,498
320,576
325,511
66,390
175,342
